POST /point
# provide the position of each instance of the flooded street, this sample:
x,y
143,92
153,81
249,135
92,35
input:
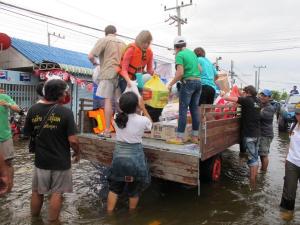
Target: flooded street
x,y
227,202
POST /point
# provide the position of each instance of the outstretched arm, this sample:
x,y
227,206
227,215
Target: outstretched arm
x,y
13,107
178,76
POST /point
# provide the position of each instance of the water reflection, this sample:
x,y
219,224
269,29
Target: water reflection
x,y
227,202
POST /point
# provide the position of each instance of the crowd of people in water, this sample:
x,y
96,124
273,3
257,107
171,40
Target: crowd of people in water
x,y
52,129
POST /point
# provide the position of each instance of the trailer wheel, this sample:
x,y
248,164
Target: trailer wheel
x,y
211,169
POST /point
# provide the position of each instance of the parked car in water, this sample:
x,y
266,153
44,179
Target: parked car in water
x,y
276,105
287,112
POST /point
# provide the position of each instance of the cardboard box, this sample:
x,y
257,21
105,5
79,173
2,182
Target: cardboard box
x,y
223,83
166,130
158,130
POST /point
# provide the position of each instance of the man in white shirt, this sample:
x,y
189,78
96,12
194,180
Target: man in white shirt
x,y
292,170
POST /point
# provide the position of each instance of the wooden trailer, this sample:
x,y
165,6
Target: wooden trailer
x,y
178,163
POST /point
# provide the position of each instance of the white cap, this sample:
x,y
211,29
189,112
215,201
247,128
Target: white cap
x,y
179,40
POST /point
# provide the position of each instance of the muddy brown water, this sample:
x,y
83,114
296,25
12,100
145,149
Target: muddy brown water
x,y
228,202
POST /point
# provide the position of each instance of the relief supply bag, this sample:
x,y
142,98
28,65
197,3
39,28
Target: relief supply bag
x,y
155,93
96,75
133,88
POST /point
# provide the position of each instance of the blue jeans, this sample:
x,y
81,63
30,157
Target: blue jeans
x,y
189,96
251,145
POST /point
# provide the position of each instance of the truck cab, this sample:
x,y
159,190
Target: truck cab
x,y
287,112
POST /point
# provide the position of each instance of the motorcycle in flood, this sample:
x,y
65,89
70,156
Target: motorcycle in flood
x,y
17,122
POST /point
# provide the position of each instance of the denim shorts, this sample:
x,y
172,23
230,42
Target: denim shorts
x,y
251,145
264,146
129,170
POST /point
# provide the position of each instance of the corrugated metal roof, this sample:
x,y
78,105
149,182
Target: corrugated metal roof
x,y
37,53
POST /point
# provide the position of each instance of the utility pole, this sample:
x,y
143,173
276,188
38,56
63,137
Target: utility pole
x,y
255,80
231,72
217,62
258,74
177,18
55,35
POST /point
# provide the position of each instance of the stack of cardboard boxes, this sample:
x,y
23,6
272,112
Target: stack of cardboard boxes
x,y
166,130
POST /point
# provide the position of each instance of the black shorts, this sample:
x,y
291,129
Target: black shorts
x,y
207,95
154,113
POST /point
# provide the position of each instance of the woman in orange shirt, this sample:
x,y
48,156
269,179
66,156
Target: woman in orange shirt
x,y
137,57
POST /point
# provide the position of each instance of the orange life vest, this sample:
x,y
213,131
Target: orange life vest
x,y
98,115
138,61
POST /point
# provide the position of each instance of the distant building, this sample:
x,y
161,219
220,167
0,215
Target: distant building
x,y
26,63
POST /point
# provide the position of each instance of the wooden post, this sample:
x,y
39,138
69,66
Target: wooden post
x,y
81,115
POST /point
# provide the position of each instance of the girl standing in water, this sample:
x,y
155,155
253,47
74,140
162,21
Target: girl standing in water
x,y
129,166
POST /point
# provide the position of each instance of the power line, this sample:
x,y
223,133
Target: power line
x,y
73,30
241,42
44,21
127,37
177,18
280,82
82,10
241,80
256,51
71,22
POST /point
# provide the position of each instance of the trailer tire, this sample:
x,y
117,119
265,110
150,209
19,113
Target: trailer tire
x,y
211,169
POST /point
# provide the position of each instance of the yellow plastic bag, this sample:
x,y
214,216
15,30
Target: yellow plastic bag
x,y
155,93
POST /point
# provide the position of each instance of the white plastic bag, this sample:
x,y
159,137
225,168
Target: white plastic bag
x,y
96,75
133,88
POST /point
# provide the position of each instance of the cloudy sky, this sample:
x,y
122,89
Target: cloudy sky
x,y
256,32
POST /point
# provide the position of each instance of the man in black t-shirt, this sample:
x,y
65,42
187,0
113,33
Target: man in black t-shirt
x,y
250,123
52,172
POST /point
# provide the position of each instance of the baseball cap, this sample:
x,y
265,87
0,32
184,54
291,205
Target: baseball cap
x,y
297,108
179,40
266,92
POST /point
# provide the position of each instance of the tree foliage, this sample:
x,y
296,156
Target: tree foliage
x,y
276,95
283,96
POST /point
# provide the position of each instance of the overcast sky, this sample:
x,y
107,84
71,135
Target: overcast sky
x,y
219,26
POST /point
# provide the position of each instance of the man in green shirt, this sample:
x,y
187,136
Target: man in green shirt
x,y
6,143
188,72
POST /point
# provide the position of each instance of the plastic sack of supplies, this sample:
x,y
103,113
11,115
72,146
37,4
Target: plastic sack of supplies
x,y
96,75
231,107
133,88
155,93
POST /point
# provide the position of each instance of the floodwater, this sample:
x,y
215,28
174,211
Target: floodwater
x,y
228,202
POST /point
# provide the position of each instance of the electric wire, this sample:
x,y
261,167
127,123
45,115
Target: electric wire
x,y
72,23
